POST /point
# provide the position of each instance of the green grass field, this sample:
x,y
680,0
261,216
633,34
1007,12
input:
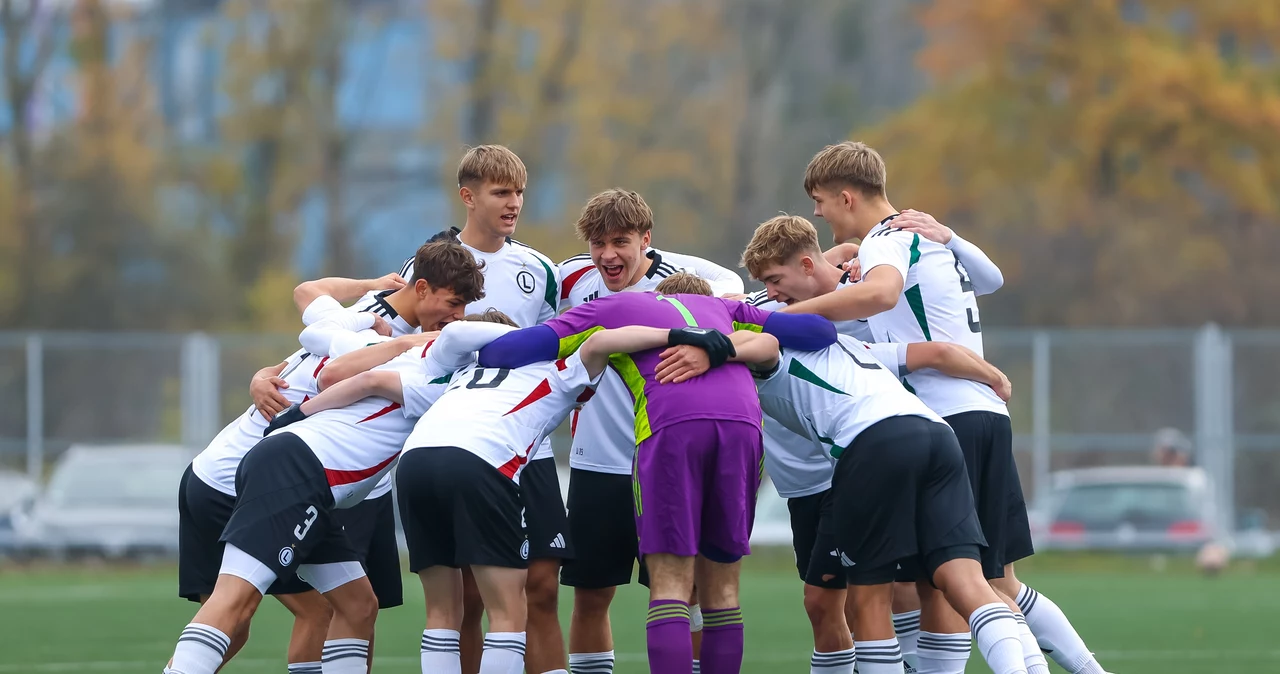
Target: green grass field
x,y
1140,620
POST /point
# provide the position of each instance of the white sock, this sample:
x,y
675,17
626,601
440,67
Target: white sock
x,y
878,657
440,652
839,662
1031,655
906,626
1056,635
200,650
996,632
556,671
697,667
943,653
345,656
503,653
591,663
305,668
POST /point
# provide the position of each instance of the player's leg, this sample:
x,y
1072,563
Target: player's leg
x,y
875,644
824,588
695,626
1053,631
603,529
442,589
472,636
203,644
503,591
945,643
311,616
906,620
722,638
371,527
550,542
355,609
671,580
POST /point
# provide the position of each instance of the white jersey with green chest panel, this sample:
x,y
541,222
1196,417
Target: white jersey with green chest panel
x,y
604,434
832,395
937,305
521,283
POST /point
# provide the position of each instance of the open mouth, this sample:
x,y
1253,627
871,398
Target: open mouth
x,y
509,219
611,272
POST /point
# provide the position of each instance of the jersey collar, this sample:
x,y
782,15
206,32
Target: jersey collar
x,y
883,224
656,258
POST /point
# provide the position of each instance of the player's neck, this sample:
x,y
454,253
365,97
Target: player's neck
x,y
402,301
828,277
874,213
485,242
643,271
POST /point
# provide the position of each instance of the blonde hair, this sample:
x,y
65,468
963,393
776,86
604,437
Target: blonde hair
x,y
684,283
491,163
491,315
614,210
777,241
847,164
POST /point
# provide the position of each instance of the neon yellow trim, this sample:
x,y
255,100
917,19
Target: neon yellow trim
x,y
570,345
753,327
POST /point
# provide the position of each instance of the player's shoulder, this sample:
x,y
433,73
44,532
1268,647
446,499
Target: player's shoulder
x,y
760,300
667,263
526,250
576,273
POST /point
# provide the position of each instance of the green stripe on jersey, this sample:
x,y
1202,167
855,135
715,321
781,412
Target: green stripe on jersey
x,y
917,307
797,369
753,327
684,311
915,250
552,296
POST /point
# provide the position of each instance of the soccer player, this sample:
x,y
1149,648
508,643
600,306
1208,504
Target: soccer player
x,y
899,488
288,485
522,283
913,289
685,434
785,255
617,226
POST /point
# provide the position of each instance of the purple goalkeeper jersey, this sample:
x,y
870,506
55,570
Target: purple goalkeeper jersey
x,y
726,392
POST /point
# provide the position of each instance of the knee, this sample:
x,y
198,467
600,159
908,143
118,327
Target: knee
x,y
317,614
823,605
361,612
592,604
543,592
472,604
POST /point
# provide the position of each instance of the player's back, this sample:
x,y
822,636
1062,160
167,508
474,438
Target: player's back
x,y
724,392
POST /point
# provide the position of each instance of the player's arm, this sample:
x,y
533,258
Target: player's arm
x,y
458,342
365,359
380,383
557,338
956,361
841,253
983,273
318,337
342,289
758,350
264,389
878,292
597,348
804,332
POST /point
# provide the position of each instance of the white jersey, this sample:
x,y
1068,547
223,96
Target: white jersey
x,y
832,395
797,465
604,435
937,305
518,281
521,283
502,414
358,444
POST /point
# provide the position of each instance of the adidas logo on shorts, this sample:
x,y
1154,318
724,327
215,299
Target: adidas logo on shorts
x,y
844,559
558,541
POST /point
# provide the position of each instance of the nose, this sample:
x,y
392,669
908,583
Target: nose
x,y
817,211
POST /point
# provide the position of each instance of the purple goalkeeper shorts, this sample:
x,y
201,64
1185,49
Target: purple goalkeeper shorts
x,y
695,488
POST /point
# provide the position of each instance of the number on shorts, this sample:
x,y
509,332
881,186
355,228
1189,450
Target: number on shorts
x,y
301,530
500,374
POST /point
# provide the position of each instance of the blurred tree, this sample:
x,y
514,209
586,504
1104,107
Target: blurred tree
x,y
1121,159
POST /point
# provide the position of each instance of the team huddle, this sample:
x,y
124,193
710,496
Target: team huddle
x,y
855,379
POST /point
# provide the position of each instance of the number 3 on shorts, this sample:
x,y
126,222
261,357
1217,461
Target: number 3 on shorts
x,y
301,530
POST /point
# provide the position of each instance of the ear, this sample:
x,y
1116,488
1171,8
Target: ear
x,y
420,287
806,265
468,197
645,239
849,199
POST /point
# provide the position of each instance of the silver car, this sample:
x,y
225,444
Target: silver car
x,y
111,500
1130,508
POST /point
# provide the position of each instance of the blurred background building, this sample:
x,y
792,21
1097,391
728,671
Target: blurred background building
x,y
171,169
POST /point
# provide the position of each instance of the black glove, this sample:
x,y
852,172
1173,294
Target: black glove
x,y
717,345
291,414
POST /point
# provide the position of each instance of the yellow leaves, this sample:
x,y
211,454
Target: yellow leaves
x,y
269,304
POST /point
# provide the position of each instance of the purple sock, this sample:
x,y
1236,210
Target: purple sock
x,y
670,648
722,641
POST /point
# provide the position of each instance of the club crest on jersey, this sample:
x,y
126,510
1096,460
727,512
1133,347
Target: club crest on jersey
x,y
286,556
525,281
524,549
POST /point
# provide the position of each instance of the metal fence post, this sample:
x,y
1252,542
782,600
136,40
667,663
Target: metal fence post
x,y
199,389
35,407
1040,428
1213,416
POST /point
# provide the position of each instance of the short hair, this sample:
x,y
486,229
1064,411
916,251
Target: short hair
x,y
445,265
614,210
491,163
777,240
491,315
684,283
848,164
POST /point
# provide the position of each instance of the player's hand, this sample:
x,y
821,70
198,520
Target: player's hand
x,y
392,281
925,225
681,363
381,326
717,345
854,267
1003,389
266,395
292,414
841,254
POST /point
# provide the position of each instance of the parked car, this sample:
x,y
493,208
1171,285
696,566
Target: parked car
x,y
110,500
17,496
1130,508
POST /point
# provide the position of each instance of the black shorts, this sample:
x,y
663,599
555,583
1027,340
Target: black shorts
x,y
900,492
202,515
602,521
457,510
284,509
986,438
545,521
814,559
371,528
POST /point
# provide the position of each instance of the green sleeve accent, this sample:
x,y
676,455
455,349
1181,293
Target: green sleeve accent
x,y
552,295
570,345
753,327
915,250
